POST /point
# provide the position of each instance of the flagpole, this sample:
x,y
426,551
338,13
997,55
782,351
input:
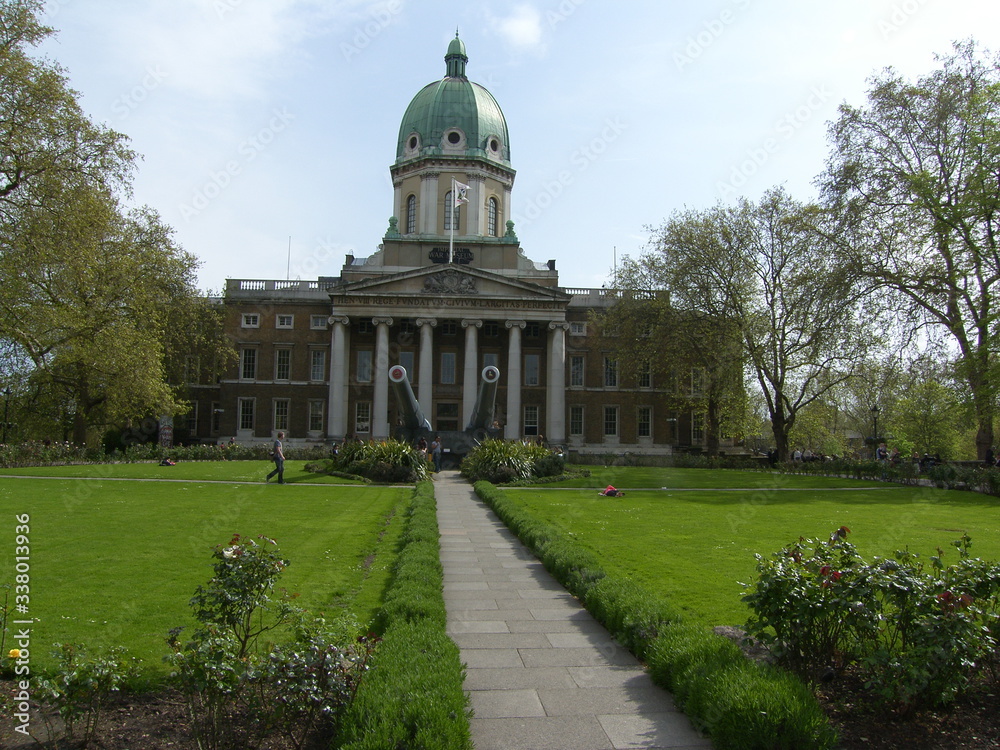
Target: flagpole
x,y
451,224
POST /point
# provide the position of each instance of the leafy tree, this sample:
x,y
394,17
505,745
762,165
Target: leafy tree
x,y
766,270
90,286
916,172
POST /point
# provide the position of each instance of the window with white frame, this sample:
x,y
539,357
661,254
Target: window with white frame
x,y
364,371
448,368
577,365
698,378
698,428
610,421
248,364
317,365
645,374
280,414
283,320
316,412
610,372
191,420
577,329
576,420
282,364
451,210
531,372
491,359
530,419
216,421
644,422
246,407
319,322
363,417
491,217
411,215
251,320
366,326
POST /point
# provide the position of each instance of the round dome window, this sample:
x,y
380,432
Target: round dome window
x,y
413,141
454,137
494,145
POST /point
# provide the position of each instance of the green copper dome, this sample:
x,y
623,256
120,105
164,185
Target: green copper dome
x,y
454,117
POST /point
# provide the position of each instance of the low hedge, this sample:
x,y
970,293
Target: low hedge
x,y
412,697
741,704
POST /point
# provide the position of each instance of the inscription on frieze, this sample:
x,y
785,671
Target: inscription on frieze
x,y
461,255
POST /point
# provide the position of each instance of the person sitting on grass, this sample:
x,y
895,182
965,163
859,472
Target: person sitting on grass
x,y
610,491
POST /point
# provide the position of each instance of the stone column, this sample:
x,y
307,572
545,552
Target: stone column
x,y
380,401
425,377
474,226
470,384
512,431
337,400
428,208
555,424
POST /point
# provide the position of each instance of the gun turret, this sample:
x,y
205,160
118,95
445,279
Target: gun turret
x,y
413,417
482,412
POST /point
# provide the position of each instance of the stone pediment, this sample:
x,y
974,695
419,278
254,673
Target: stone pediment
x,y
450,280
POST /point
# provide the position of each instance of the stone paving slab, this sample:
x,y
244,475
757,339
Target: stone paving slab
x,y
541,672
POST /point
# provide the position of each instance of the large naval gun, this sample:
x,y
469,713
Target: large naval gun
x,y
414,425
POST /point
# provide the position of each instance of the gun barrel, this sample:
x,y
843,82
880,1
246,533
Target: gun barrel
x,y
413,416
482,413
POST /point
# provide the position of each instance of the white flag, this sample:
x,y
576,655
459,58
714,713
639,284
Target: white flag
x,y
461,193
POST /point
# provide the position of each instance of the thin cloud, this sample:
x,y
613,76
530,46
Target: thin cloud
x,y
522,29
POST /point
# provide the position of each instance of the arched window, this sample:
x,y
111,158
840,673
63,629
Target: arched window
x,y
450,209
492,218
411,214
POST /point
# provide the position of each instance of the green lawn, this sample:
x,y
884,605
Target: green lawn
x,y
116,561
695,541
209,471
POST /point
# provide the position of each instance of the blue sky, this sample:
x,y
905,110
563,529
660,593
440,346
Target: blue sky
x,y
266,125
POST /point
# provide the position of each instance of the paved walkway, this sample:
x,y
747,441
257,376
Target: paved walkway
x,y
542,673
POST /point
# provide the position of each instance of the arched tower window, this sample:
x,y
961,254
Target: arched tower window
x,y
491,213
411,214
451,210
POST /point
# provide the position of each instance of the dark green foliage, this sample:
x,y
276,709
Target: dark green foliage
x,y
502,461
386,461
413,696
920,634
741,704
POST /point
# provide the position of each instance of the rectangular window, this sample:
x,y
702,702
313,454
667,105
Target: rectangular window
x,y
316,410
284,321
192,369
532,331
191,420
577,329
610,421
251,320
447,416
577,363
697,428
449,328
644,375
530,419
318,322
610,372
216,418
697,381
531,369
282,364
317,365
281,414
447,369
248,364
491,359
366,326
644,422
246,413
406,359
491,328
576,421
364,371
363,417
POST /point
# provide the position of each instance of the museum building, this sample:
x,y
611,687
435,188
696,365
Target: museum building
x,y
448,293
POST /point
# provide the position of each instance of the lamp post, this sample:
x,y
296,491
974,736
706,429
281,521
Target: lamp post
x,y
875,411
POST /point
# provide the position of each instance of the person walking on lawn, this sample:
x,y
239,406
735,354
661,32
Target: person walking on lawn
x,y
278,456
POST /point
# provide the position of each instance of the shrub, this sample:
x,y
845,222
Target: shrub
x,y
919,635
388,461
502,461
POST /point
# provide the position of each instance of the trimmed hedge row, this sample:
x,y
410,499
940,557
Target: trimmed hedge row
x,y
741,704
413,695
